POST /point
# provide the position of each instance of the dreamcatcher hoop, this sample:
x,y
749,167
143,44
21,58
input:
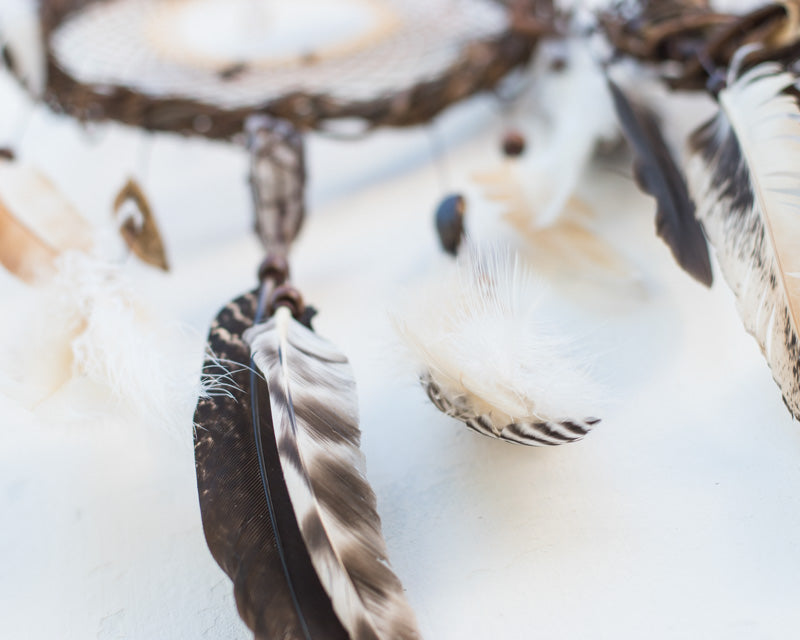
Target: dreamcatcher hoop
x,y
106,61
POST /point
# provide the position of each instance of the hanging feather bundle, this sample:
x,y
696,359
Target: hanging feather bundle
x,y
538,189
658,174
272,576
486,358
745,175
287,511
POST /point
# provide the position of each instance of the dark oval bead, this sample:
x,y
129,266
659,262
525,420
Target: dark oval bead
x,y
450,222
275,267
286,296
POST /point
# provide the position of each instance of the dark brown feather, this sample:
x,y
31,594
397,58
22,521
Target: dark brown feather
x,y
658,174
277,590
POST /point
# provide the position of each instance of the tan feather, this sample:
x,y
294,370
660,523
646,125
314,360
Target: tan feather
x,y
43,208
138,227
22,252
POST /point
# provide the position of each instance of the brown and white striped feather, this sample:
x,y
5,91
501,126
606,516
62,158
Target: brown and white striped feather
x,y
745,173
315,416
490,352
537,433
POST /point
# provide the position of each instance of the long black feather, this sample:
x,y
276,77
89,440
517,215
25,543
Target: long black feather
x,y
658,174
248,519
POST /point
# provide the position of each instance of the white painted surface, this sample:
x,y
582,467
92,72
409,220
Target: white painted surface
x,y
677,518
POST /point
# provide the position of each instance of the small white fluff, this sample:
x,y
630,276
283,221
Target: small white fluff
x,y
21,32
481,335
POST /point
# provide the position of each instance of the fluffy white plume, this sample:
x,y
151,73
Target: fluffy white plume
x,y
489,356
88,322
21,33
573,113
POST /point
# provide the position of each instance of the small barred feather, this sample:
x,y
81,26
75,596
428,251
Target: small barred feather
x,y
487,357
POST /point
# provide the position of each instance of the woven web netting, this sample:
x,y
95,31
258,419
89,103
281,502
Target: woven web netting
x,y
389,62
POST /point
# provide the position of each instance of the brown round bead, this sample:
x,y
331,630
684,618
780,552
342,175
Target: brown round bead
x,y
286,296
274,267
513,144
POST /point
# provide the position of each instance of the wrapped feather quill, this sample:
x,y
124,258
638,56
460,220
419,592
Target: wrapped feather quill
x,y
486,358
746,179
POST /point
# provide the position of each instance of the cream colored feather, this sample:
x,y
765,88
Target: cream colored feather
x,y
78,314
745,174
488,356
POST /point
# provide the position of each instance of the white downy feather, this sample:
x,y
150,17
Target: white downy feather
x,y
489,357
89,323
577,113
21,32
746,182
81,318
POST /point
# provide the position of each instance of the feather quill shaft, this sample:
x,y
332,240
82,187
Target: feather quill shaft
x,y
315,419
744,172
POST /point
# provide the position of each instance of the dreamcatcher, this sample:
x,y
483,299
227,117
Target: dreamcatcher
x,y
287,511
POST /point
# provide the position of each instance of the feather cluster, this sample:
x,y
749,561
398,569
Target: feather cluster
x,y
747,183
287,510
78,314
89,322
488,357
